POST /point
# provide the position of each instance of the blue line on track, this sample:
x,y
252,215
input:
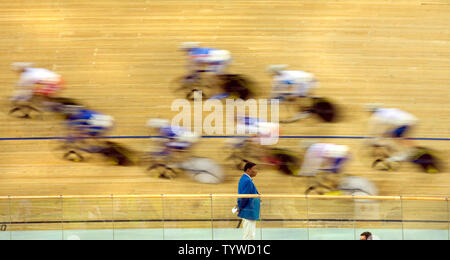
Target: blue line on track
x,y
213,137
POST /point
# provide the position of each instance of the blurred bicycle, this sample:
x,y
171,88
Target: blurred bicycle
x,y
35,86
166,165
212,86
426,159
172,154
293,109
244,150
329,184
86,134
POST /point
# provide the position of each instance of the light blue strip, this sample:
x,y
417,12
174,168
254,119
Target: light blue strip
x,y
227,234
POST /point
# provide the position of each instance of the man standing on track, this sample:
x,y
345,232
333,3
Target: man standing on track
x,y
248,207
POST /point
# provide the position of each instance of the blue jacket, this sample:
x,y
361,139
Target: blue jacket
x,y
248,207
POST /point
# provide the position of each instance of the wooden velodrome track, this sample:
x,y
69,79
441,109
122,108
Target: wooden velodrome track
x,y
119,57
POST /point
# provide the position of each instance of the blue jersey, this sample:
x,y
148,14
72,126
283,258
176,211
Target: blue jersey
x,y
248,125
200,52
172,132
207,55
210,56
249,121
90,122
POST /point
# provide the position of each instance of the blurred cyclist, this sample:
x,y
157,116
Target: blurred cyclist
x,y
203,59
323,157
388,124
290,83
35,85
174,138
35,81
87,127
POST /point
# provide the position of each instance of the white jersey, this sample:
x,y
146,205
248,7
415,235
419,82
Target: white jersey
x,y
394,116
328,150
384,119
249,125
267,133
293,76
296,82
38,76
319,153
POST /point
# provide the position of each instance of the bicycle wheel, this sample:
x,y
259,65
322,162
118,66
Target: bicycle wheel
x,y
285,161
384,165
25,112
186,88
237,86
67,151
243,153
118,154
203,170
322,184
159,170
74,156
427,160
290,111
324,109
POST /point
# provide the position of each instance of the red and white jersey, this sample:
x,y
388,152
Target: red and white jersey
x,y
41,81
33,76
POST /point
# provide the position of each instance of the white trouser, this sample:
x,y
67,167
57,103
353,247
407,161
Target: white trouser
x,y
302,89
22,94
217,69
249,229
311,164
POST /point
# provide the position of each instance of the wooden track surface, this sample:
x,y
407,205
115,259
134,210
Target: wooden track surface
x,y
119,57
